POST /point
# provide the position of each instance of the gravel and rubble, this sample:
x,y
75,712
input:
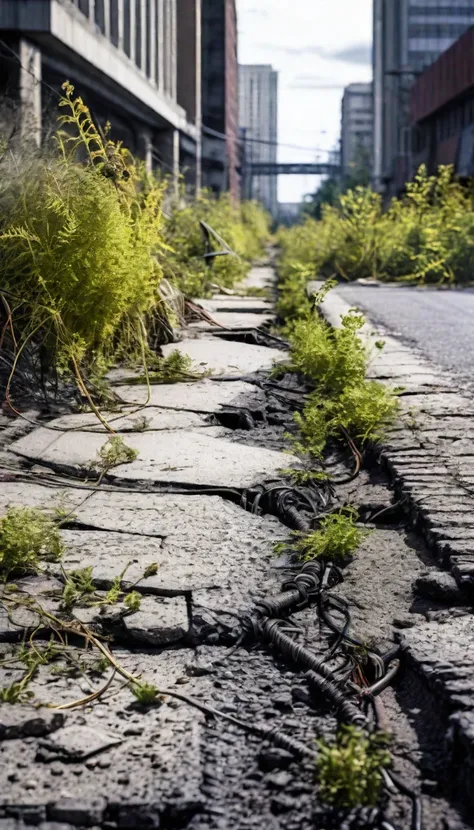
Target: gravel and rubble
x,y
172,526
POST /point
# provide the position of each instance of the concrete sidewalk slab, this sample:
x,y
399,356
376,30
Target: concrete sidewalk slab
x,y
197,542
153,420
227,357
185,457
249,305
205,396
233,320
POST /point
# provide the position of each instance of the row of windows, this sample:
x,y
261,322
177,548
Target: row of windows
x,y
441,11
438,30
446,125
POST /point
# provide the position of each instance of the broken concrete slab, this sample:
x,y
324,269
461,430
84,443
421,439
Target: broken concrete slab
x,y
225,357
115,762
21,494
261,276
233,320
154,419
204,396
199,543
159,622
232,304
189,458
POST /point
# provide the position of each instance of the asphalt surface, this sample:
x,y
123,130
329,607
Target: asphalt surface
x,y
439,323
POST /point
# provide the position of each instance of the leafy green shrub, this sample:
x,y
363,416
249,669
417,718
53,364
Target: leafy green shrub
x,y
425,236
335,362
78,244
337,537
349,770
26,537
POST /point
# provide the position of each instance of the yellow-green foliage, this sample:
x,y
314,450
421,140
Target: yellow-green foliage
x,y
349,770
337,538
26,537
77,242
244,229
425,236
335,362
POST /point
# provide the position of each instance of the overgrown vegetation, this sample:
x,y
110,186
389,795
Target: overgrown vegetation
x,y
425,236
88,255
241,229
334,361
27,537
349,770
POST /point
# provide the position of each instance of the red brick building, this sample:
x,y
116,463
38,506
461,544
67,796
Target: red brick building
x,y
442,110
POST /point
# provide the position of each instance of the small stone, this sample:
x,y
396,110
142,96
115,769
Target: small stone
x,y
123,779
283,703
79,742
407,621
274,758
30,784
199,669
278,780
27,721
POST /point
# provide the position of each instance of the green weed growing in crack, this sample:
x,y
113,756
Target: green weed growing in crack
x,y
150,570
145,693
343,401
79,586
337,538
133,601
27,536
300,478
175,368
349,770
113,453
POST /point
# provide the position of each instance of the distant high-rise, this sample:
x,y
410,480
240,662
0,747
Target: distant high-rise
x,y
409,35
258,121
356,126
220,144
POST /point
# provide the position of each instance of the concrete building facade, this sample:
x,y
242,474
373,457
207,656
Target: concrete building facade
x,y
356,125
258,120
408,36
220,145
122,56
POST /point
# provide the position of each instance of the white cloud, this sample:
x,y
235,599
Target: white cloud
x,y
318,48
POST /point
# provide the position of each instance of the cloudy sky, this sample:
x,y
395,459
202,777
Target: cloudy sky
x,y
318,47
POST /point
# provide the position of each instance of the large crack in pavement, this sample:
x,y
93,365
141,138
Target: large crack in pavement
x,y
118,765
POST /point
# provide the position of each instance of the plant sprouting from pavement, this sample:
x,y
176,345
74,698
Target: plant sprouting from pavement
x,y
27,536
349,769
337,538
113,453
145,693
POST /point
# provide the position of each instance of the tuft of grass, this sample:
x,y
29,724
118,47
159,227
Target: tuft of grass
x,y
349,770
133,601
16,693
337,538
145,693
78,586
27,536
113,453
174,368
304,477
150,570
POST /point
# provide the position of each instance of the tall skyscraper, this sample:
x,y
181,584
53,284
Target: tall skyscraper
x,y
220,144
356,126
258,121
408,36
